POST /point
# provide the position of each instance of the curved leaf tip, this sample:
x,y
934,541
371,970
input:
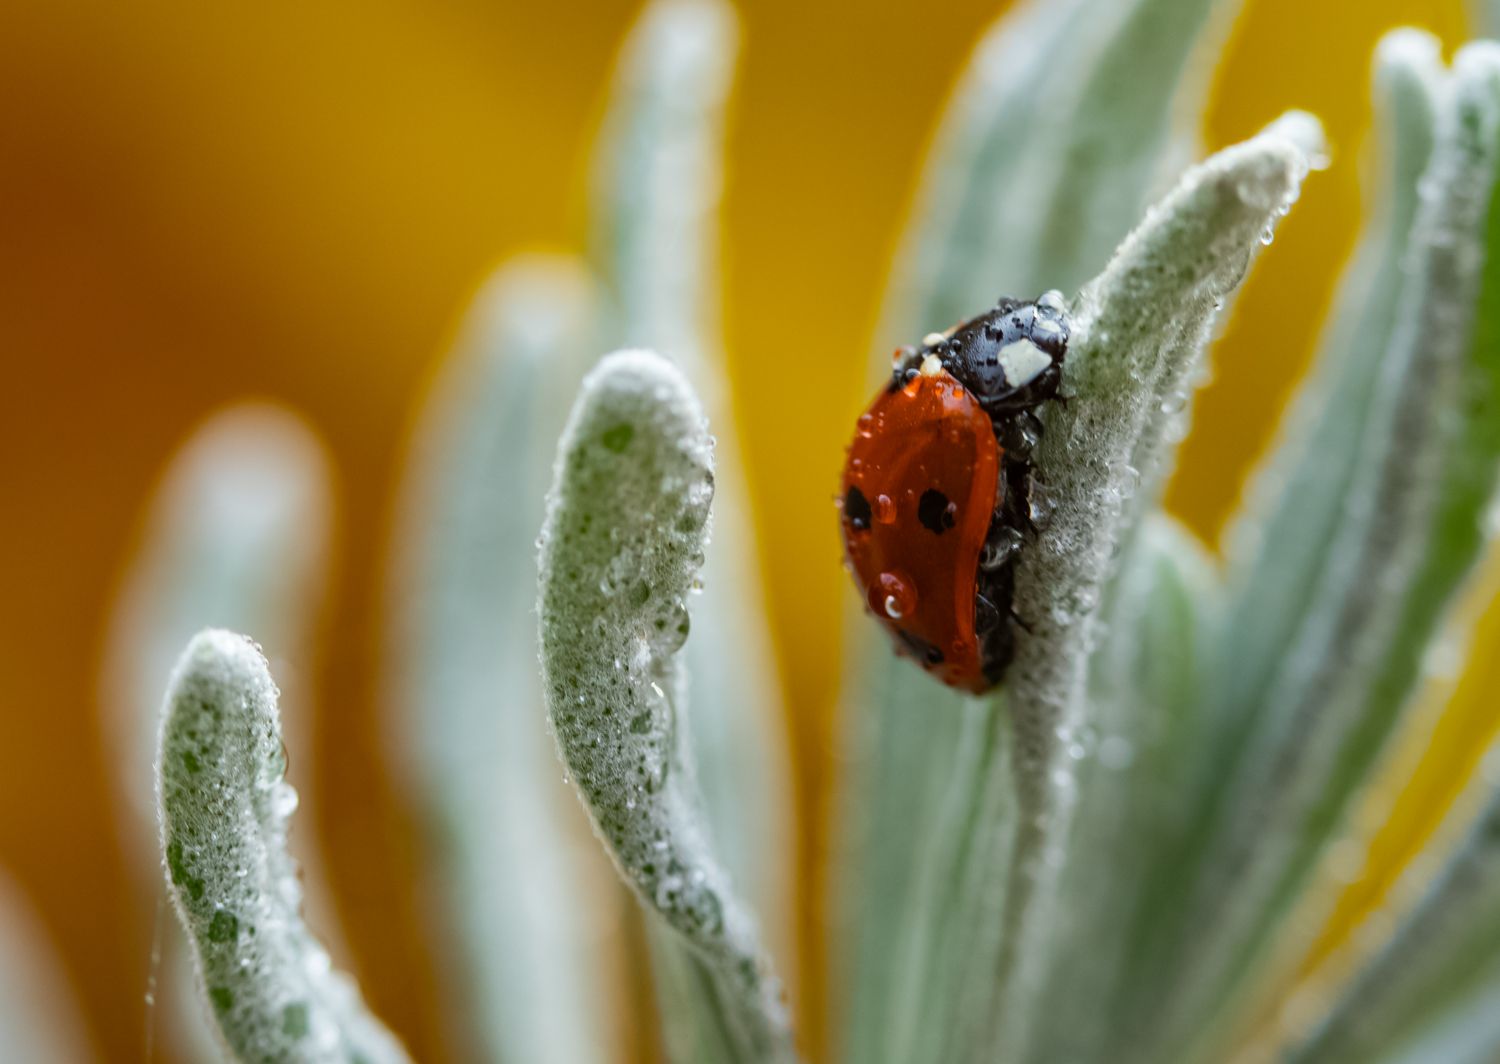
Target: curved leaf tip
x,y
620,552
224,809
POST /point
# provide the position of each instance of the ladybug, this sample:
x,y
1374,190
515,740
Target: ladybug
x,y
938,493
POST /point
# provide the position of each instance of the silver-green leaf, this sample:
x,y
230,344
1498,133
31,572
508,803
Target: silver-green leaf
x,y
654,235
1131,759
1409,531
1140,330
224,808
626,526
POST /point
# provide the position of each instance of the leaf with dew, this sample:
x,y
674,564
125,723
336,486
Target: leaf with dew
x,y
626,525
224,808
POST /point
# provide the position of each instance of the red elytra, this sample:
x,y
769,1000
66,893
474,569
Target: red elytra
x,y
920,486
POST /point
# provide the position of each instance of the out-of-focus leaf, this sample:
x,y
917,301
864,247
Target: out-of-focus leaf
x,y
1409,532
1072,114
1283,542
1279,544
1434,970
657,177
237,536
39,1018
518,895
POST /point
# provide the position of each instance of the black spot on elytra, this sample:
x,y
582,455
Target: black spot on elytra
x,y
933,511
857,509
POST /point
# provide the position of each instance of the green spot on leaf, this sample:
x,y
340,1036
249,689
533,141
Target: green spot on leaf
x,y
224,927
618,438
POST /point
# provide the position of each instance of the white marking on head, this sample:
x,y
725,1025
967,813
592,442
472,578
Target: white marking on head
x,y
933,339
931,366
1048,329
1023,362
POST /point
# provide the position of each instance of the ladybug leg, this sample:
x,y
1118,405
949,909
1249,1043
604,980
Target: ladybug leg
x,y
1019,435
1002,543
1020,514
1033,502
986,615
903,365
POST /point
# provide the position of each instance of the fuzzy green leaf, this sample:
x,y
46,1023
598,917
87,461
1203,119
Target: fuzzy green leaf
x,y
224,809
1132,762
626,526
1140,331
655,234
1436,974
520,898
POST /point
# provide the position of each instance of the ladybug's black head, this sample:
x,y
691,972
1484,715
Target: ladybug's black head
x,y
1010,357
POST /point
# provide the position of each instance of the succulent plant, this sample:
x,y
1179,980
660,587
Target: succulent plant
x,y
1121,854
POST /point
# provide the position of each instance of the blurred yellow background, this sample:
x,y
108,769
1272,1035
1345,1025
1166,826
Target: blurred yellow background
x,y
200,202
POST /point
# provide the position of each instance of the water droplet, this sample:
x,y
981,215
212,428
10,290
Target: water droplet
x,y
284,800
885,509
894,595
1267,235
